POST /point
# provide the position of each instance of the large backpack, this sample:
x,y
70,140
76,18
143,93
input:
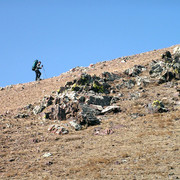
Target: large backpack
x,y
34,65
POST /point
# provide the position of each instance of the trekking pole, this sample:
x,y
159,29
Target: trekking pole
x,y
44,72
42,75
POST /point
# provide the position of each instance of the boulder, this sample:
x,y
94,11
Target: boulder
x,y
81,99
99,100
167,54
87,115
57,100
135,71
142,81
126,83
38,109
61,90
107,76
57,113
167,57
156,68
166,76
90,109
47,101
176,53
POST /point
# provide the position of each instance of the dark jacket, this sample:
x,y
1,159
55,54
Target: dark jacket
x,y
38,67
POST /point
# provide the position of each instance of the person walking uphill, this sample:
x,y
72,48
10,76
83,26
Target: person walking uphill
x,y
36,66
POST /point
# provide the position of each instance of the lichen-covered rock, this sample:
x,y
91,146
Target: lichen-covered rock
x,y
165,72
61,90
156,106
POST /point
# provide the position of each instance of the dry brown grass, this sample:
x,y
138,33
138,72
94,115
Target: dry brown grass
x,y
146,147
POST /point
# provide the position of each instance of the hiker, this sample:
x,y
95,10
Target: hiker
x,y
37,65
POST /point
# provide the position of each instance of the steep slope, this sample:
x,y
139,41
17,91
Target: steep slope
x,y
131,144
23,94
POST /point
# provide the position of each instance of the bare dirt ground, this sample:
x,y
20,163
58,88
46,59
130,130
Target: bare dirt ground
x,y
144,147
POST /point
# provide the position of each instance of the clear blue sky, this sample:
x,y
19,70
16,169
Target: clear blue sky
x,y
67,33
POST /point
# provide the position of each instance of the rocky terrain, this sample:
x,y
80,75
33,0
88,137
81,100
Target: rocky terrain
x,y
117,119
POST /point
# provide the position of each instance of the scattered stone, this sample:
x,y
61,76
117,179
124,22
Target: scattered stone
x,y
57,129
126,83
156,106
114,109
135,71
47,154
38,109
91,66
21,116
136,115
12,159
35,140
101,132
9,86
75,125
49,163
29,106
107,76
114,100
134,96
142,81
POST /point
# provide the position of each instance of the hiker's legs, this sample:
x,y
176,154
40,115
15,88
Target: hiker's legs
x,y
38,74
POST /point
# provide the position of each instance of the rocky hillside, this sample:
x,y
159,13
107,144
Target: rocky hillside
x,y
116,119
